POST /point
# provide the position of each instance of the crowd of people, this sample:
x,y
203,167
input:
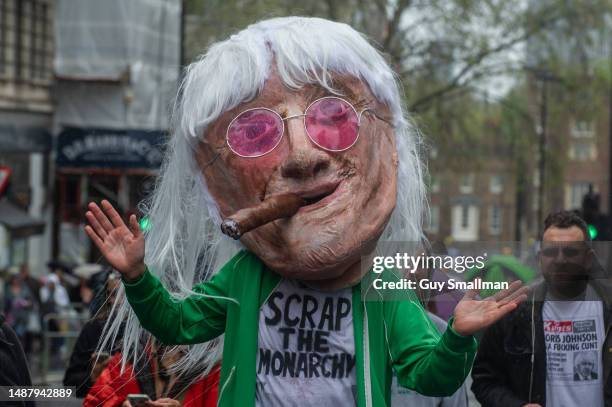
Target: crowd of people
x,y
62,291
100,377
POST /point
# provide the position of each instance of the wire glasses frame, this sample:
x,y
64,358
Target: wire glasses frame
x,y
358,115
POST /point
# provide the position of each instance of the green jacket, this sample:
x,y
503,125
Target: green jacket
x,y
389,334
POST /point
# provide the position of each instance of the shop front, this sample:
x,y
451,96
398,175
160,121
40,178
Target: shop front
x,y
94,164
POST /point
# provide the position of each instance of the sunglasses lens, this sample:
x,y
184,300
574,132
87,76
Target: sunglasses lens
x,y
332,124
566,251
254,133
550,252
571,251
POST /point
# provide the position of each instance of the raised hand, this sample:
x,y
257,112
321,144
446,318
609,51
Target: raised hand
x,y
472,315
121,246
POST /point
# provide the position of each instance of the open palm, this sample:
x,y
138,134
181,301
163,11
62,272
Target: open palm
x,y
472,315
122,246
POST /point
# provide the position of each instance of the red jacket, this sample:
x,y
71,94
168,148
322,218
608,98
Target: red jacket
x,y
112,387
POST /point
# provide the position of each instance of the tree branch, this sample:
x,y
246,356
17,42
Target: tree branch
x,y
474,61
394,23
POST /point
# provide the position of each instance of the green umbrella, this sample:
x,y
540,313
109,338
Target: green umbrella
x,y
499,268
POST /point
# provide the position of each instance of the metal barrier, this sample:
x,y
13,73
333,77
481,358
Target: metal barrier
x,y
72,324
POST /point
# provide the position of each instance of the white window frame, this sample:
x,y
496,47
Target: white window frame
x,y
496,220
496,184
582,150
466,183
575,191
582,129
460,214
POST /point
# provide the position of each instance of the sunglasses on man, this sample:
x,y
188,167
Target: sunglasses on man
x,y
567,251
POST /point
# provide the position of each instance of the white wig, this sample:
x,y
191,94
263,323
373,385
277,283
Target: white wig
x,y
184,244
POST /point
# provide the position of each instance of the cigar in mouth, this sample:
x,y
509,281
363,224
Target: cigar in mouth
x,y
275,207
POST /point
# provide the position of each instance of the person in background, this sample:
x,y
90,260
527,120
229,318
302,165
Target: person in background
x,y
14,367
153,375
85,363
80,284
529,357
53,295
32,283
98,282
33,327
53,300
19,307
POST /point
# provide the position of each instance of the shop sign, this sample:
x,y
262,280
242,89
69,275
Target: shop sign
x,y
103,148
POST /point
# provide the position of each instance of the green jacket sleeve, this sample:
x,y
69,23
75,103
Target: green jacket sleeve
x,y
424,361
195,319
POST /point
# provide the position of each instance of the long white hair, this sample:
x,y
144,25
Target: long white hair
x,y
184,244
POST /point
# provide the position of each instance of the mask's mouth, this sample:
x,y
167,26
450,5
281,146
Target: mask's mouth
x,y
320,196
316,195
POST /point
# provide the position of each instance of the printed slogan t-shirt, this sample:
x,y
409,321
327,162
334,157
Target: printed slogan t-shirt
x,y
573,336
306,348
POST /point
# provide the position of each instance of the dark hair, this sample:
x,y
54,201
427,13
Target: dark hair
x,y
564,220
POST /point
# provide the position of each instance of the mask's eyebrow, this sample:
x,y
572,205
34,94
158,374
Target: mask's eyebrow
x,y
317,91
345,90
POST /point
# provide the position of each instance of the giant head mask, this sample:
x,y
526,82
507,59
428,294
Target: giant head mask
x,y
368,188
358,190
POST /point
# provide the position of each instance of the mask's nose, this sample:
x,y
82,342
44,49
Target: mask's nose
x,y
305,159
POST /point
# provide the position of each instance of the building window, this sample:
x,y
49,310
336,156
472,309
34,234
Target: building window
x,y
40,53
574,194
582,150
17,35
3,35
583,129
464,222
25,40
496,184
465,216
495,220
466,185
434,219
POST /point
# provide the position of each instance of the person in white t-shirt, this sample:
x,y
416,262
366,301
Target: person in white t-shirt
x,y
554,350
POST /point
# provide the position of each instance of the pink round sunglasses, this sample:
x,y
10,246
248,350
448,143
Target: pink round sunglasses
x,y
331,123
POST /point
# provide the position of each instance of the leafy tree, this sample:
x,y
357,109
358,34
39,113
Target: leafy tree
x,y
439,47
